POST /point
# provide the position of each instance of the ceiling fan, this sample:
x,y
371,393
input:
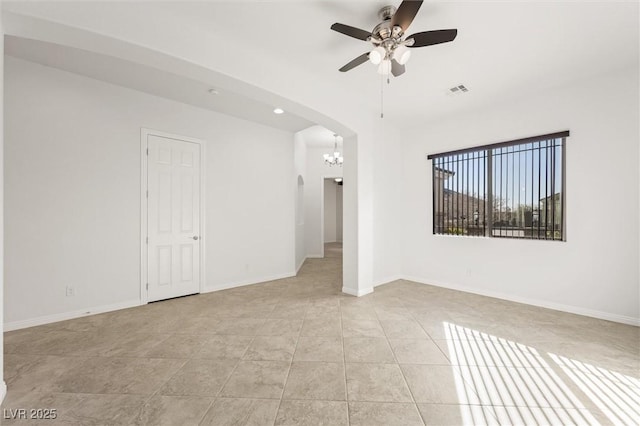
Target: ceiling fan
x,y
391,47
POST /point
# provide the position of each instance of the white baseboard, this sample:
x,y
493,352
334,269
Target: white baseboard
x,y
387,280
3,391
357,292
242,283
48,319
534,302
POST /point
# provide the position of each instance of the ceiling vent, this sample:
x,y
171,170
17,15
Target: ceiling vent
x,y
457,90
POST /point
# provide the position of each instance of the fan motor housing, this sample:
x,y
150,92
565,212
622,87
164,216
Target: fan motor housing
x,y
386,12
385,29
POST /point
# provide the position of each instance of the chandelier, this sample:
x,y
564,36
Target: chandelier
x,y
336,158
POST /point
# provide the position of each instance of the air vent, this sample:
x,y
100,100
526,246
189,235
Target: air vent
x,y
456,90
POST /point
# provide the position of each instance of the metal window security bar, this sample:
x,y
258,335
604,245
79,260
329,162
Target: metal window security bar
x,y
512,189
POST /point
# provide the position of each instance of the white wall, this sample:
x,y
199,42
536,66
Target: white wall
x,y
3,386
72,192
300,167
595,272
339,213
387,204
330,211
143,44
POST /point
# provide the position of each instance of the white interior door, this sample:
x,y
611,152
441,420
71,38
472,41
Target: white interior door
x,y
173,206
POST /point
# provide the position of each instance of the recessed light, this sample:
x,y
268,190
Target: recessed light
x,y
213,91
278,111
338,180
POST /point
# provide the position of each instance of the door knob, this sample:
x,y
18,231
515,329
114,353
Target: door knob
x,y
195,237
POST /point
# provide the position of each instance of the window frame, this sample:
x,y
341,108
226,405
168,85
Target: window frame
x,y
489,171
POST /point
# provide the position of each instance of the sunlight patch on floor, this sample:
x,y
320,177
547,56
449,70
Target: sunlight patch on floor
x,y
512,378
616,395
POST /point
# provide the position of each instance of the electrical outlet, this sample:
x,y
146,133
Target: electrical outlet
x,y
70,291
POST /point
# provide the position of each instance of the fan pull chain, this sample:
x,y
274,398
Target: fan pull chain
x,y
381,96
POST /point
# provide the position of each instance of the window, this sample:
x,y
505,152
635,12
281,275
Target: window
x,y
507,190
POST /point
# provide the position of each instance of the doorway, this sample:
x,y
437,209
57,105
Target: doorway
x,y
172,216
332,216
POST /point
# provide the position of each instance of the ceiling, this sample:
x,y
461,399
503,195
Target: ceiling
x,y
504,51
320,137
153,81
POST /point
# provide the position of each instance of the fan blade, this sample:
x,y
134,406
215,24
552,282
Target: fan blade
x,y
407,10
429,38
351,31
396,68
357,61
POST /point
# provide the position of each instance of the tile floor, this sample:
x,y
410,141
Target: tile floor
x,y
299,352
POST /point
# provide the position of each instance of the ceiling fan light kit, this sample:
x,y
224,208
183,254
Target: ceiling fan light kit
x,y
402,54
391,48
377,55
385,67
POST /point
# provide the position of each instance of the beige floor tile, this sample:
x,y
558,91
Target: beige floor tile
x,y
255,311
325,327
271,348
194,325
383,414
173,410
376,383
438,384
496,352
237,326
224,347
133,345
367,349
148,319
596,354
38,374
530,415
358,312
392,313
436,326
488,340
320,310
89,323
418,351
257,379
280,327
106,409
199,377
528,386
246,412
312,413
348,301
14,401
316,380
403,329
452,414
58,342
290,311
326,349
178,346
119,375
381,299
361,328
